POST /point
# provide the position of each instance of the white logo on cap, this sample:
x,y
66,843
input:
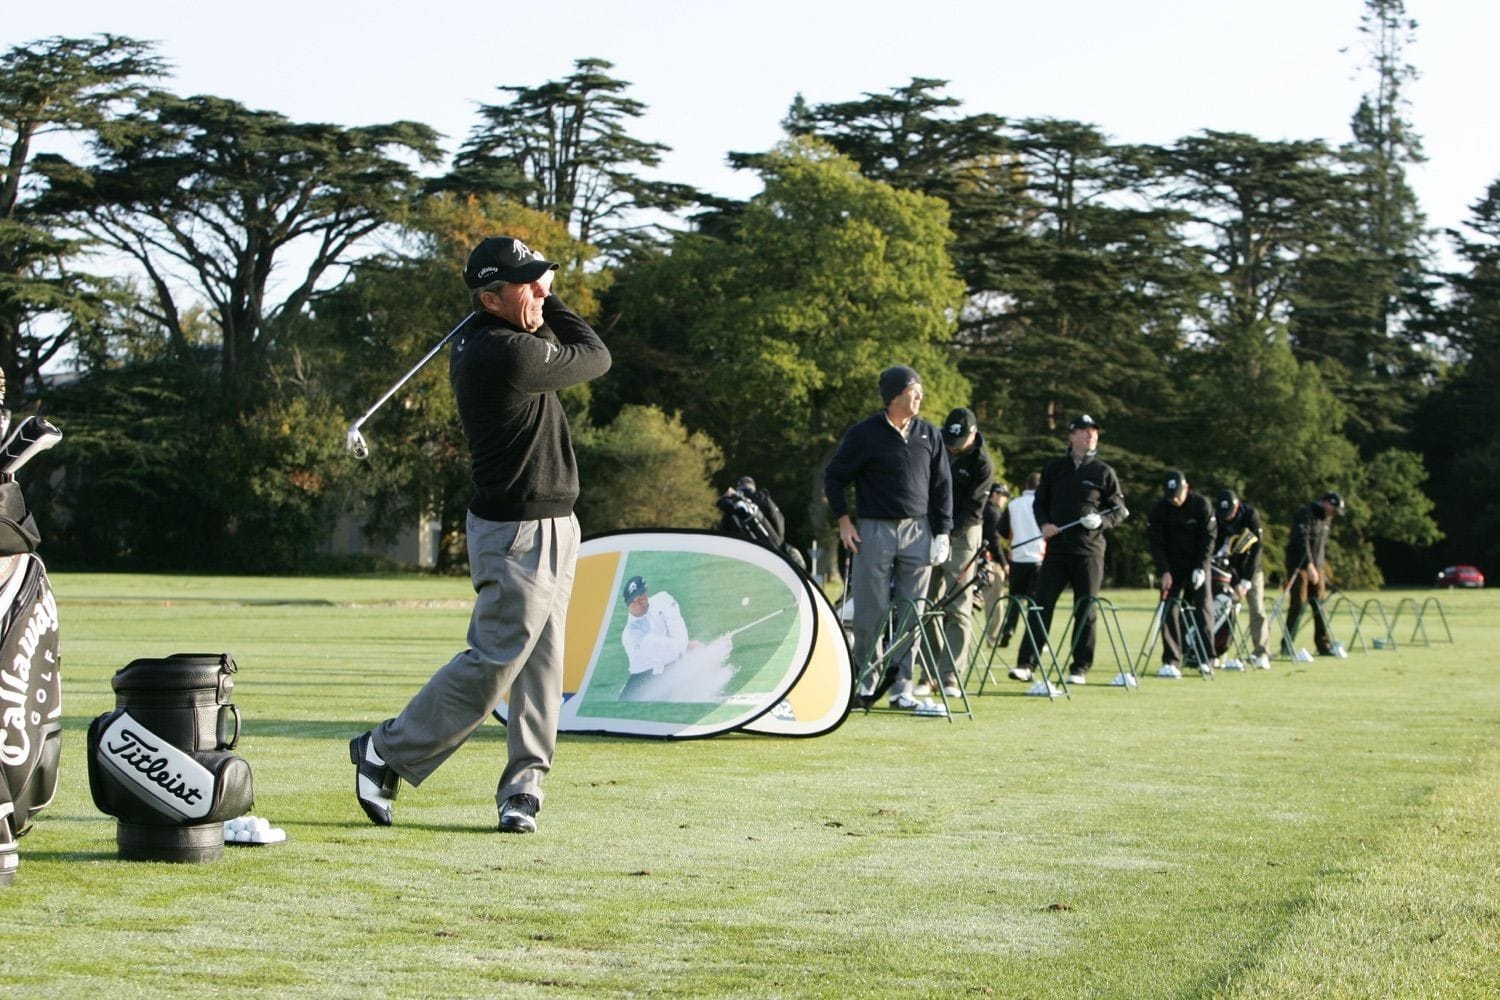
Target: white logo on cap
x,y
485,272
955,429
522,250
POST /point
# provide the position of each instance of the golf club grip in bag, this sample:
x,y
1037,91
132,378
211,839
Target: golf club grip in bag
x,y
161,762
30,702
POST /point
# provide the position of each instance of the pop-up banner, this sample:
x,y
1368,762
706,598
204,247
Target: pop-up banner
x,y
682,634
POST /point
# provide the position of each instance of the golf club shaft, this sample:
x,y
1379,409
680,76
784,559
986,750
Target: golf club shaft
x,y
354,427
763,618
1061,528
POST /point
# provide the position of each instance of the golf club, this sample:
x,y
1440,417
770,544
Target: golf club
x,y
33,436
354,440
1064,527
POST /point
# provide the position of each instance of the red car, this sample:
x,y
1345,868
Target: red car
x,y
1460,576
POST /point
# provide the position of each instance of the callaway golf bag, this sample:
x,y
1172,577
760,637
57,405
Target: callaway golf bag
x,y
30,679
30,669
160,763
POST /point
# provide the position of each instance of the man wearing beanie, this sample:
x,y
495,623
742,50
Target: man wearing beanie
x,y
903,496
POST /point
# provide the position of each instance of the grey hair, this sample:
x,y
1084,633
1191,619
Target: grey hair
x,y
494,287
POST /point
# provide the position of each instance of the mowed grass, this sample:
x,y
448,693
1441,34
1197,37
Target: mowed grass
x,y
1323,829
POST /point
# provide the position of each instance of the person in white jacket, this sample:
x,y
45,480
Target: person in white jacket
x,y
1019,524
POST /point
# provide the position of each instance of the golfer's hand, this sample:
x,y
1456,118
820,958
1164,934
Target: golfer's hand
x,y
1166,581
1312,575
1091,521
939,552
1197,579
848,534
546,280
1049,530
1243,587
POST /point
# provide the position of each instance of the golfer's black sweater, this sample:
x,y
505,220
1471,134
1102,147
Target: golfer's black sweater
x,y
1308,544
1181,538
973,473
1068,491
894,477
505,382
1245,557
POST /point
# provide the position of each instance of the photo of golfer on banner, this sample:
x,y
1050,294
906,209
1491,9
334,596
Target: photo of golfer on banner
x,y
728,642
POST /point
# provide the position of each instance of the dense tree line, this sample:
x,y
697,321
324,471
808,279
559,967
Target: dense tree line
x,y
1264,314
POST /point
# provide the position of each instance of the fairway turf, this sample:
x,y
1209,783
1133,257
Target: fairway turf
x,y
1323,829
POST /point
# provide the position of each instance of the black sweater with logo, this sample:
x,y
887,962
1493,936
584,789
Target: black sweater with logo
x,y
1068,491
505,382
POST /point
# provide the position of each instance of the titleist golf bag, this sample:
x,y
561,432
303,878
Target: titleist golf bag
x,y
30,678
743,517
160,762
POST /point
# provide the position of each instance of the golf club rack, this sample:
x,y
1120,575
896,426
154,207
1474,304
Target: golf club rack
x,y
30,667
162,764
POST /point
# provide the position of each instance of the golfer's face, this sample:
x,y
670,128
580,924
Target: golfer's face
x,y
521,305
909,403
639,605
1084,440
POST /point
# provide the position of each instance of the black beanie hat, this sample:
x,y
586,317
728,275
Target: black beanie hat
x,y
894,380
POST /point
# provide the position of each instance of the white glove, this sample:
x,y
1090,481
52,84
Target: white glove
x,y
1091,521
1197,578
1243,587
940,550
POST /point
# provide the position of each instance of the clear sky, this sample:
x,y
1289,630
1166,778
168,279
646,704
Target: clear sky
x,y
719,77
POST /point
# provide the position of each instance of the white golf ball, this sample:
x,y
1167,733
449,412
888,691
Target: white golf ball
x,y
744,602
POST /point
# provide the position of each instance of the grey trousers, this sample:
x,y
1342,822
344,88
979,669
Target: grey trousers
x,y
890,568
523,577
1260,626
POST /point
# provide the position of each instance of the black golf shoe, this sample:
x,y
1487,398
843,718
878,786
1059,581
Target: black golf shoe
x,y
518,815
375,783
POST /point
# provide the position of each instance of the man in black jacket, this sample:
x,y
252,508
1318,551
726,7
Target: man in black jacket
x,y
1307,569
1078,498
1240,541
973,473
904,495
1180,531
522,539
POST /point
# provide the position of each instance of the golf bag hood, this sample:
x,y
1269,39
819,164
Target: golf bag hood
x,y
17,527
160,763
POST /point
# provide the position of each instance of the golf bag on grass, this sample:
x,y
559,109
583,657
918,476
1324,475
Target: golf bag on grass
x,y
160,763
30,680
750,522
1224,607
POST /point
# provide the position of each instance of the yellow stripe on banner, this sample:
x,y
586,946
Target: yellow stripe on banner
x,y
593,587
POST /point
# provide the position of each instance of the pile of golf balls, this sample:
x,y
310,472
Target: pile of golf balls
x,y
252,830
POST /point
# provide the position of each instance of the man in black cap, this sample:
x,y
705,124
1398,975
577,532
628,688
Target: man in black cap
x,y
973,473
1241,540
904,497
522,539
1180,530
751,513
1307,570
1077,500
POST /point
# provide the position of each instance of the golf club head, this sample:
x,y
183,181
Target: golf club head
x,y
356,443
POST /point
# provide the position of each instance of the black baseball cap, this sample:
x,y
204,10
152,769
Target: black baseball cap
x,y
960,423
1081,421
634,587
504,258
1227,500
1001,489
1172,482
746,483
1334,500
